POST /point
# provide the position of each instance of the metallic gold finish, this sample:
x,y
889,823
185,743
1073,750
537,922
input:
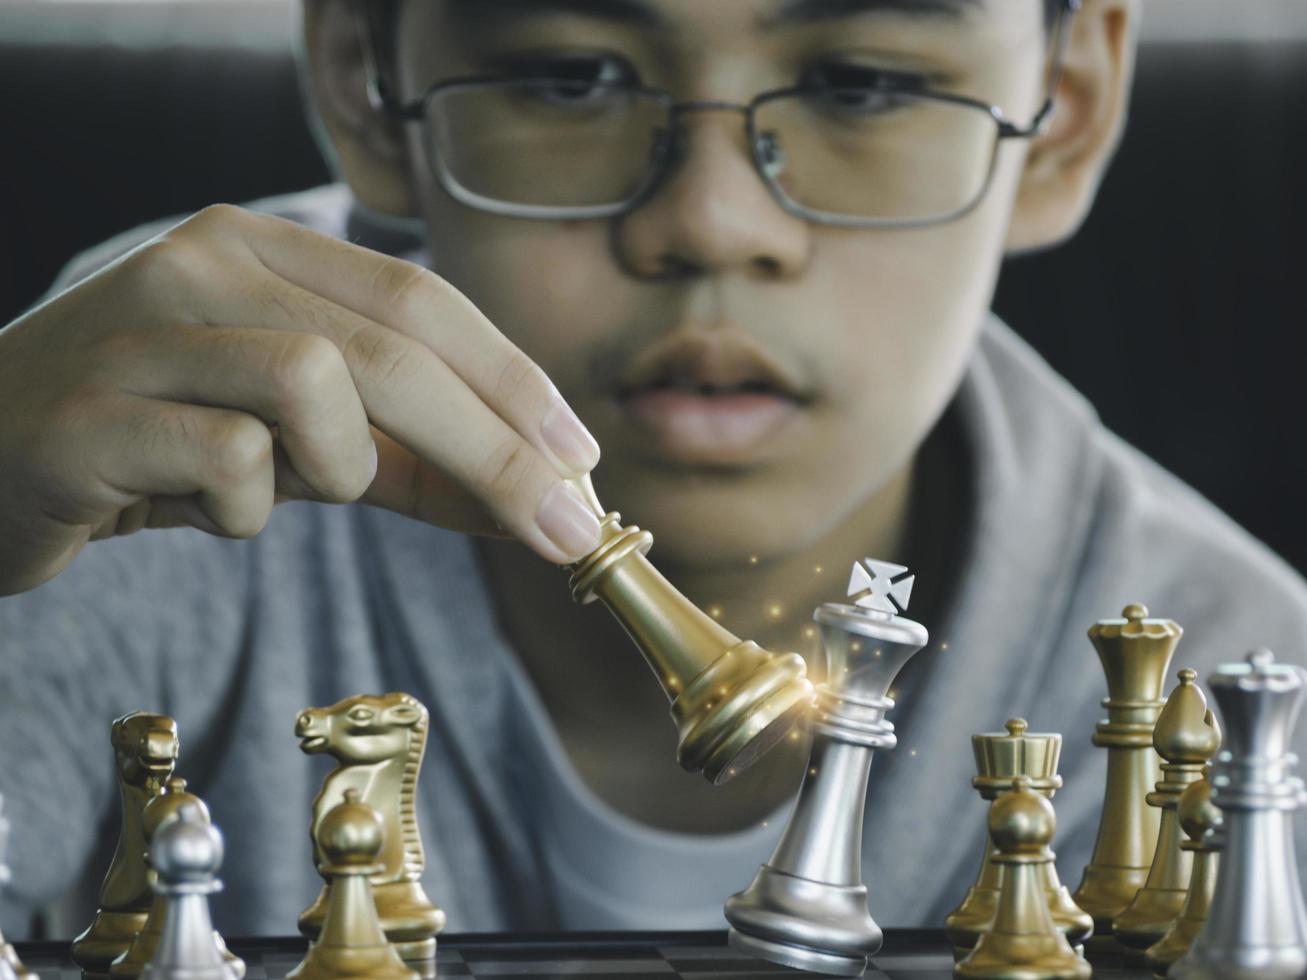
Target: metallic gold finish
x,y
1023,943
1135,653
1198,815
131,964
1186,736
731,699
350,838
145,751
1000,758
379,741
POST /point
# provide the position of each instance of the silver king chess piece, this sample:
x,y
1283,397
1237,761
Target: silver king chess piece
x,y
1257,926
807,906
186,852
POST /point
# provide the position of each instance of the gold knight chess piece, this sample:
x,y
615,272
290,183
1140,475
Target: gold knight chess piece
x,y
145,751
1187,737
352,943
1000,759
1135,652
1201,820
1023,943
379,742
731,700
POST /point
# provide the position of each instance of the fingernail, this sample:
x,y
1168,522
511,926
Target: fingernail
x,y
568,439
568,522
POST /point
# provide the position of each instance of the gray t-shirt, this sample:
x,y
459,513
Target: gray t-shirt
x,y
1066,526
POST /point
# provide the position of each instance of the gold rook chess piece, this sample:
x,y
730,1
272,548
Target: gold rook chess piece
x,y
1135,653
1023,943
731,699
11,967
1000,759
1201,820
1186,736
132,963
379,742
352,943
145,751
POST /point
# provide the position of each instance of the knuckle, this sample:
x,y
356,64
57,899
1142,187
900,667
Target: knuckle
x,y
305,367
379,357
239,448
518,375
163,264
215,218
405,288
505,471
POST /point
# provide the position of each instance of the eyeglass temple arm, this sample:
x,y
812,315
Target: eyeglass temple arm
x,y
1061,37
380,96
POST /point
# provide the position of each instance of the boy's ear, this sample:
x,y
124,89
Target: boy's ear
x,y
1064,165
369,145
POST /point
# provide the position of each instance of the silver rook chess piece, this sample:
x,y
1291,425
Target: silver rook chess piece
x,y
807,906
186,852
1257,927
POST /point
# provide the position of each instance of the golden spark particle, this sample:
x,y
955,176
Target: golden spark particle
x,y
715,611
794,736
809,632
817,569
753,559
943,646
812,771
855,646
875,653
912,752
775,611
764,823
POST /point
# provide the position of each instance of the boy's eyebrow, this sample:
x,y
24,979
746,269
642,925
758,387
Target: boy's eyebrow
x,y
635,12
794,12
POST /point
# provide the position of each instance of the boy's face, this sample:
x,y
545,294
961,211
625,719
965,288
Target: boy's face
x,y
752,377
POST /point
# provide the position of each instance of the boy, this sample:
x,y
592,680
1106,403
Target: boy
x,y
769,310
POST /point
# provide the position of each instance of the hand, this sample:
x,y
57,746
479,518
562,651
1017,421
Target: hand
x,y
240,359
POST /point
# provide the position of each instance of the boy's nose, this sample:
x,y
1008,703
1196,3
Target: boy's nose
x,y
712,213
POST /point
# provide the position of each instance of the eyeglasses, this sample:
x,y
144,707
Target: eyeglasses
x,y
892,155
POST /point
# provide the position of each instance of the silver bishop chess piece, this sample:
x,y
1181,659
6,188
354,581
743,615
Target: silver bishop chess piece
x,y
807,906
186,853
1257,926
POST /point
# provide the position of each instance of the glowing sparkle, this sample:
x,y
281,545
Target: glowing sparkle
x,y
812,771
912,752
715,611
816,569
794,736
875,653
809,632
764,823
855,646
943,646
753,559
775,611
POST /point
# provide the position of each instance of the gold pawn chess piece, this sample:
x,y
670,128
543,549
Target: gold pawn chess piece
x,y
731,700
145,751
1186,736
1000,759
11,967
1023,943
1201,819
352,943
1135,652
379,742
131,964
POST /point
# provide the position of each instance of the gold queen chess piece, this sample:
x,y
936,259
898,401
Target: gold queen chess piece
x,y
379,742
807,906
1000,759
1135,652
731,700
145,751
1186,736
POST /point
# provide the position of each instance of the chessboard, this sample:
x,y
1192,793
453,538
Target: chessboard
x,y
908,954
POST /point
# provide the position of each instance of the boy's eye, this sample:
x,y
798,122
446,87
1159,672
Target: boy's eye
x,y
577,78
860,88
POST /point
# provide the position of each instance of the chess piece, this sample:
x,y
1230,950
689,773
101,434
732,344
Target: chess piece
x,y
352,943
11,967
807,906
162,808
1186,736
379,742
731,699
1135,653
186,854
145,750
1023,941
1198,815
1000,759
1257,926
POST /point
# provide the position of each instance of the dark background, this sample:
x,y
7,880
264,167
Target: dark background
x,y
1179,309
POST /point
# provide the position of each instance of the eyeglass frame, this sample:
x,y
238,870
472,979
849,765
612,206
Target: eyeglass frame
x,y
383,100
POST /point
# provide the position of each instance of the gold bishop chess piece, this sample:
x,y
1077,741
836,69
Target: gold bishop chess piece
x,y
1186,736
1023,942
11,967
352,943
1135,652
1201,820
158,811
145,751
379,742
1000,759
731,700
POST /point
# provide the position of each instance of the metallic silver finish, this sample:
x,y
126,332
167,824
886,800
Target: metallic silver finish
x,y
1257,927
807,906
186,853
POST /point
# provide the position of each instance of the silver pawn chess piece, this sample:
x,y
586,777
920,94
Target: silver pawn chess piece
x,y
1257,927
186,853
807,906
